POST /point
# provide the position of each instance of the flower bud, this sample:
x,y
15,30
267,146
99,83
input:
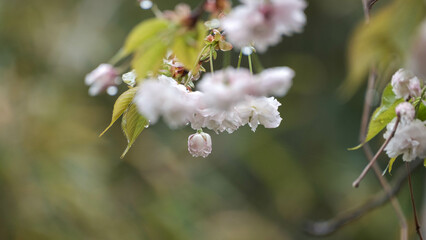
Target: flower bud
x,y
130,78
405,85
406,111
200,144
100,79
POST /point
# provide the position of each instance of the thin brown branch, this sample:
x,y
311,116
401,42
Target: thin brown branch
x,y
368,100
328,227
364,172
369,95
413,203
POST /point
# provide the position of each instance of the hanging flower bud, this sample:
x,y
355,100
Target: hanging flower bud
x,y
101,79
200,144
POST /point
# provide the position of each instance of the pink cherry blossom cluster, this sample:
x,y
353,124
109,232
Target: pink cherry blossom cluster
x,y
409,139
223,100
226,100
262,22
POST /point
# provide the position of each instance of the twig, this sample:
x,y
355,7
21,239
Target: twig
x,y
369,95
211,61
330,226
367,5
413,203
424,203
364,172
239,59
250,64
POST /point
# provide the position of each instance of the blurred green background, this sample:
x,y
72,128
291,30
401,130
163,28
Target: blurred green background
x,y
58,180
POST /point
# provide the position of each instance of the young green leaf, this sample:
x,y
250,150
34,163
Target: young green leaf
x,y
185,50
391,164
188,45
382,115
121,105
132,124
144,31
149,59
383,42
421,113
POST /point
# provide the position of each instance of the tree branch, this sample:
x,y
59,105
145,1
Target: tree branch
x,y
413,203
330,226
364,172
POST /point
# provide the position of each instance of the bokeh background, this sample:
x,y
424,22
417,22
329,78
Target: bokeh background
x,y
59,180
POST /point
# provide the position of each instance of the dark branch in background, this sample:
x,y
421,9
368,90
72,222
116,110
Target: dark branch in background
x,y
388,194
330,226
416,219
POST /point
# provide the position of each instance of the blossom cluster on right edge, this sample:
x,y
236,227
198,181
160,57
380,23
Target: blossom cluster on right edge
x,y
409,139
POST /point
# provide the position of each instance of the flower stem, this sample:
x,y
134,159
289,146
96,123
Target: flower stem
x,y
239,59
156,11
250,64
211,60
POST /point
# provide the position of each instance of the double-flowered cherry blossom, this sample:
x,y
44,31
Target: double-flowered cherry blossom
x,y
262,22
227,100
275,81
226,88
164,97
259,110
231,98
409,140
405,84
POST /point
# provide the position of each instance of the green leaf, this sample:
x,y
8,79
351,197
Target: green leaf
x,y
185,53
121,105
146,30
149,59
424,163
391,164
382,115
383,42
421,113
132,124
187,46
